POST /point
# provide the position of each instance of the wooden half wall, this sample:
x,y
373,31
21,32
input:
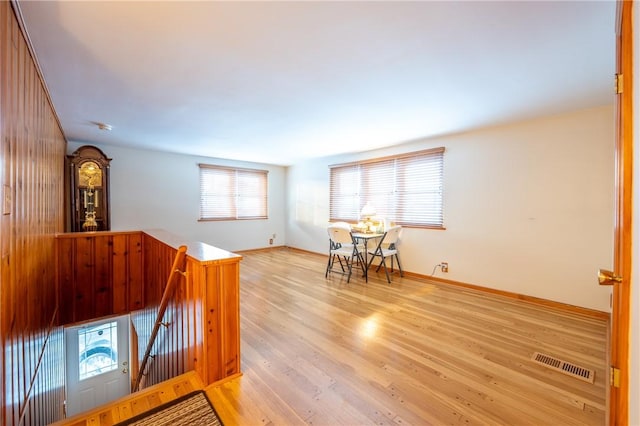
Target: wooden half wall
x,y
99,274
112,273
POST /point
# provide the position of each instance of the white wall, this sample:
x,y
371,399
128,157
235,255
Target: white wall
x,y
528,207
152,189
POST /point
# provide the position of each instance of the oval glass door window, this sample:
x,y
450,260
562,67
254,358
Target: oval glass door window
x,y
97,348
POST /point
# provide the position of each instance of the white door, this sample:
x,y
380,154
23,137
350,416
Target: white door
x,y
97,358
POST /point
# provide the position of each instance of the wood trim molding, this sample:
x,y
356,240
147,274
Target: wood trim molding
x,y
264,249
525,298
618,393
531,299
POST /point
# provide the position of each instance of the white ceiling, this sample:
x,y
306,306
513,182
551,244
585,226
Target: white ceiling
x,y
279,82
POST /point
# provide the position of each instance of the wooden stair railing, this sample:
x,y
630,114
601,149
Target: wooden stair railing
x,y
176,271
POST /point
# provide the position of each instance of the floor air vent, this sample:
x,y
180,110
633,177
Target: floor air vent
x,y
565,367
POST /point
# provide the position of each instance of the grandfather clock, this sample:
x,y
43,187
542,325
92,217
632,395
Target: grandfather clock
x,y
88,169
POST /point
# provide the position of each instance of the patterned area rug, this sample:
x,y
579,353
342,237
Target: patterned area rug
x,y
193,409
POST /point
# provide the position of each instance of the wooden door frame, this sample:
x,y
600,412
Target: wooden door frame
x,y
619,343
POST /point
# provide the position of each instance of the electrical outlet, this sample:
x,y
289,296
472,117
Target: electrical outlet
x,y
270,241
444,266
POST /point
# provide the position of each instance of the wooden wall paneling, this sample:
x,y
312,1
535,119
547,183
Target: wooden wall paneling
x,y
175,317
142,321
52,387
196,276
195,317
168,348
179,330
8,241
99,274
52,384
66,280
38,248
32,152
230,317
12,401
155,279
48,385
4,228
155,267
84,302
195,310
153,374
175,330
20,366
9,336
163,257
212,339
103,283
172,352
6,287
166,367
162,363
222,321
28,371
157,262
152,265
135,271
21,221
159,368
5,279
120,247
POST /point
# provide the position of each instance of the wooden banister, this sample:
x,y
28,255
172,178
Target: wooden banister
x,y
176,270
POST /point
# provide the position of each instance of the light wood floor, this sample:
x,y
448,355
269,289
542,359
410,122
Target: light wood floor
x,y
324,352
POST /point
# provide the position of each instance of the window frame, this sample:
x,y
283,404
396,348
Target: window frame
x,y
237,197
394,185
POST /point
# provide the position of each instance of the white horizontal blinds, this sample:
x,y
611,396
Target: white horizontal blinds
x,y
251,194
406,189
420,189
230,194
344,187
378,186
217,188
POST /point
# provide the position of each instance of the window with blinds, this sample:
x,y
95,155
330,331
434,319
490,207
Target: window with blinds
x,y
232,194
406,189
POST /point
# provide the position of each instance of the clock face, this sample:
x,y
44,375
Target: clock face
x,y
90,174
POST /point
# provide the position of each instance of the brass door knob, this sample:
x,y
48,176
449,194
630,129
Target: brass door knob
x,y
608,277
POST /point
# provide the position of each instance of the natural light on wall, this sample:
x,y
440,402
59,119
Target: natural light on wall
x,y
311,204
